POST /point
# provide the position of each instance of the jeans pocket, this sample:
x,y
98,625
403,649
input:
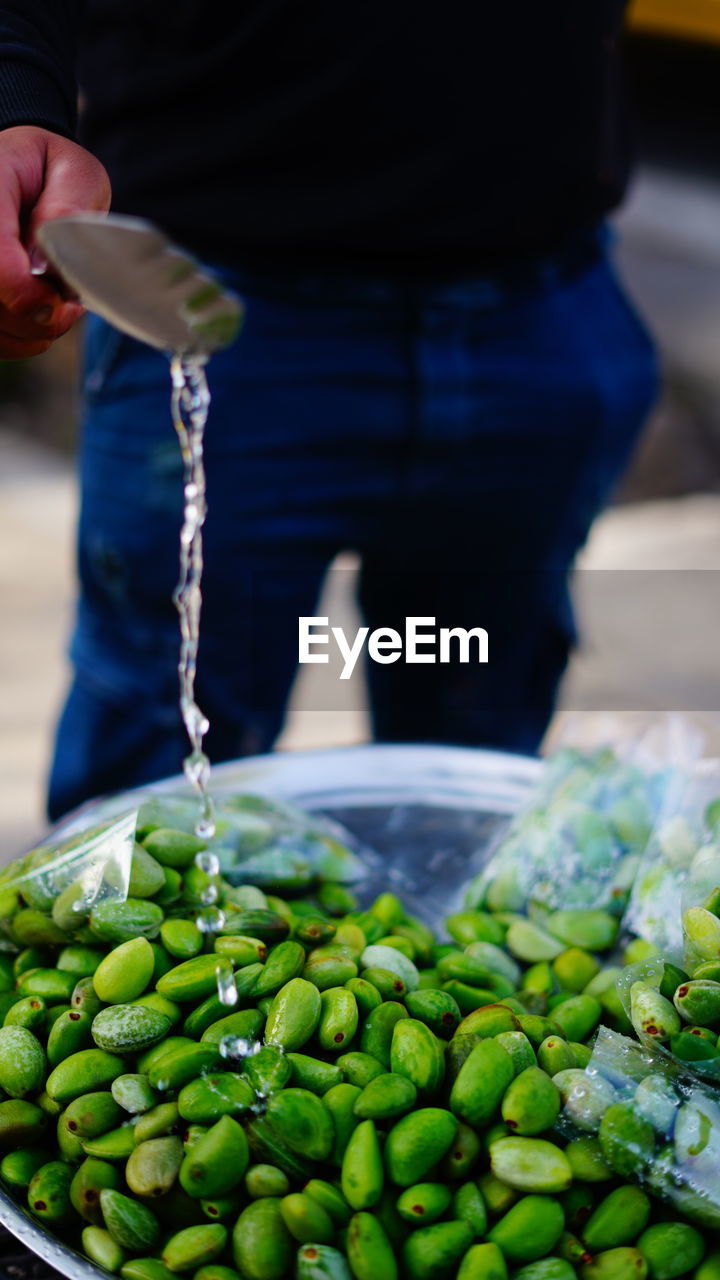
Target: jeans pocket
x,y
103,344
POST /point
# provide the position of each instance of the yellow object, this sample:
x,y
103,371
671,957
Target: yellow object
x,y
683,19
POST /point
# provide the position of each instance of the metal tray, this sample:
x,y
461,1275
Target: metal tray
x,y
431,813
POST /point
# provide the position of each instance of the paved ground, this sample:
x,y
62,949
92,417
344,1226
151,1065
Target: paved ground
x,y
669,256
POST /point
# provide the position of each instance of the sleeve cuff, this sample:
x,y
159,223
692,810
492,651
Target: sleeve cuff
x,y
29,96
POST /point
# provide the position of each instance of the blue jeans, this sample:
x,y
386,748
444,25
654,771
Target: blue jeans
x,y
461,437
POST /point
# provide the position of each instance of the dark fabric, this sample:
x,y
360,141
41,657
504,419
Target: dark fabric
x,y
37,63
402,136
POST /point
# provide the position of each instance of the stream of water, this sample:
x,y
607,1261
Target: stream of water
x,y
190,404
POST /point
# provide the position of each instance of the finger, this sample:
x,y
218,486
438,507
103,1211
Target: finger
x,y
12,348
47,176
46,323
20,291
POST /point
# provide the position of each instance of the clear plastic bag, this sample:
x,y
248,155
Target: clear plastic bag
x,y
681,858
267,844
701,890
66,875
578,842
655,1121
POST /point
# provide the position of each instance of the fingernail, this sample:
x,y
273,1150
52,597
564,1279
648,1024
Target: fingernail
x,y
43,315
38,262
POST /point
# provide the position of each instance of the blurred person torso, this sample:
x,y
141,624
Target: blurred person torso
x,y
410,137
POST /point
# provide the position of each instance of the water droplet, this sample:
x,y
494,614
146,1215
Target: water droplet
x,y
227,991
208,862
210,920
238,1047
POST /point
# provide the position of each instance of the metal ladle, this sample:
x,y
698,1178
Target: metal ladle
x,y
127,271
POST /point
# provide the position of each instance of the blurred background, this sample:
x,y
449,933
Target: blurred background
x,y
649,640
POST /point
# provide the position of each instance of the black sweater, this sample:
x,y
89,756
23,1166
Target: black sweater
x,y
383,134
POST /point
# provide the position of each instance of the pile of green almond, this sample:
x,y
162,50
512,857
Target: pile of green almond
x,y
312,1091
681,1011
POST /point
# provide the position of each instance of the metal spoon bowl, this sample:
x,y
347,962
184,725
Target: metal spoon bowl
x,y
127,271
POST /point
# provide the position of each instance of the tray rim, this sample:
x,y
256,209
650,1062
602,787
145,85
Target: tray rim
x,y
373,773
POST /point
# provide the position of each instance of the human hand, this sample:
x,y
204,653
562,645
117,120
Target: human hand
x,y
42,176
